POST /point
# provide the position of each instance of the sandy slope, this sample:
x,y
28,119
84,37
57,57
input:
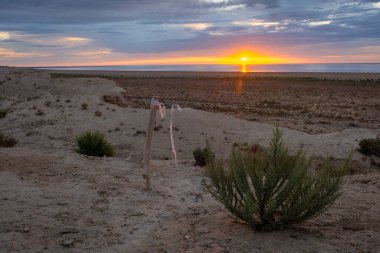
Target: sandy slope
x,y
54,200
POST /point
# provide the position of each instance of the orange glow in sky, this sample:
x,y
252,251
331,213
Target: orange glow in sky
x,y
235,58
239,57
250,57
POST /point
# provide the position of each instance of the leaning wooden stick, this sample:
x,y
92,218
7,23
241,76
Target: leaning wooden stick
x,y
148,147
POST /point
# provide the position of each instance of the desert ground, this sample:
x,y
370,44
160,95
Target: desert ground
x,y
309,102
56,200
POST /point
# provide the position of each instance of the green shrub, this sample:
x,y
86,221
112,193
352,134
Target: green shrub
x,y
94,144
3,113
272,188
7,141
202,155
84,106
370,146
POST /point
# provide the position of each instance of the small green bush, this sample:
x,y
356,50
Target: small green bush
x,y
84,106
370,146
202,155
94,144
7,141
272,188
3,113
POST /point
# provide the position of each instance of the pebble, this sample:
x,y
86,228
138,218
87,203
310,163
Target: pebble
x,y
69,243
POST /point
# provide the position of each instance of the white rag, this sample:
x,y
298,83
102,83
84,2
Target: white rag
x,y
161,108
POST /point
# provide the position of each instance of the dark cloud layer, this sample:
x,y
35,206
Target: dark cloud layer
x,y
90,11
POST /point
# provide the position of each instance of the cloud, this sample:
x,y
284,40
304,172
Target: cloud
x,y
215,1
5,36
218,33
233,7
376,5
9,53
332,56
100,11
319,23
92,53
256,22
45,40
75,39
8,36
197,26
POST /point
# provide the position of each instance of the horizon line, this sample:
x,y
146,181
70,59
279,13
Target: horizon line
x,y
201,64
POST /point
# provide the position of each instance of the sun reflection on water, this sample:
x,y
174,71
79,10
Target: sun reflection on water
x,y
244,68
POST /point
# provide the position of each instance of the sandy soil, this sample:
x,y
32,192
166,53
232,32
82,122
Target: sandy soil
x,y
55,200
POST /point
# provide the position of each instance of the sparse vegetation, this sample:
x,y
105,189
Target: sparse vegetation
x,y
7,141
157,127
98,113
40,112
3,113
271,188
94,144
84,106
201,156
370,146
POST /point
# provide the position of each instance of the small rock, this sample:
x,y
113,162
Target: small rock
x,y
69,243
375,160
25,229
353,227
217,248
137,214
98,113
157,127
69,231
140,132
204,231
40,112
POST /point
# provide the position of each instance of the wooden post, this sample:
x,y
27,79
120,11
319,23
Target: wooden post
x,y
148,147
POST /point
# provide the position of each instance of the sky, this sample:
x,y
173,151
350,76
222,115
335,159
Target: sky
x,y
150,32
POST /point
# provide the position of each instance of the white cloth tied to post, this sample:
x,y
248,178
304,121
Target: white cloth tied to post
x,y
161,108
